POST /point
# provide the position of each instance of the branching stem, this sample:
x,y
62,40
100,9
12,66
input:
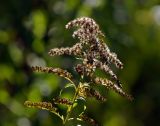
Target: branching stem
x,y
69,110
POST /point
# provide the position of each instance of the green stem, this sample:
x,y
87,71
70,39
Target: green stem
x,y
69,110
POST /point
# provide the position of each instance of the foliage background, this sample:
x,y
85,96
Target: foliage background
x,y
28,29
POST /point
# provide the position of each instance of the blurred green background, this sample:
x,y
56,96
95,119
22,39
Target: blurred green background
x,y
28,29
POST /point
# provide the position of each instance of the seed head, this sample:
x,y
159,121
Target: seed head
x,y
89,120
57,71
62,101
110,85
75,50
94,93
88,28
39,105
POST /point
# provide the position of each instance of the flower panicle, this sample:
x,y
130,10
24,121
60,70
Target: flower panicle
x,y
57,71
85,90
107,55
81,22
40,105
80,34
87,69
110,85
80,69
89,120
88,27
106,69
122,93
96,94
75,50
62,101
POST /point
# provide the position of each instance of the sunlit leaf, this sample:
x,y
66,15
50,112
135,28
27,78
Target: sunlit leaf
x,y
67,91
79,106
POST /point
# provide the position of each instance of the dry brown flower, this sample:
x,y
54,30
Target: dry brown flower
x,y
62,101
75,50
110,85
89,120
57,71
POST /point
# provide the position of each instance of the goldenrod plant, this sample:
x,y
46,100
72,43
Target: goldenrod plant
x,y
92,53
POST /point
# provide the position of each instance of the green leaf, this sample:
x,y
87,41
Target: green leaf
x,y
70,85
68,91
79,107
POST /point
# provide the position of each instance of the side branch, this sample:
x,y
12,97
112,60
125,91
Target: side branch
x,y
44,106
89,120
74,50
107,54
40,105
58,71
110,85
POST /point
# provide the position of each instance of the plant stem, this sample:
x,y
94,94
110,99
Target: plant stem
x,y
69,110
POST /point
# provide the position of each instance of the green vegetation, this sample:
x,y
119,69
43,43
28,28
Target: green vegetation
x,y
28,29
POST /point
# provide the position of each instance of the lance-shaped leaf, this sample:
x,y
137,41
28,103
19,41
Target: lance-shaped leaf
x,y
79,106
68,91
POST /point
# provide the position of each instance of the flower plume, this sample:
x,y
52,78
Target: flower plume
x,y
93,54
